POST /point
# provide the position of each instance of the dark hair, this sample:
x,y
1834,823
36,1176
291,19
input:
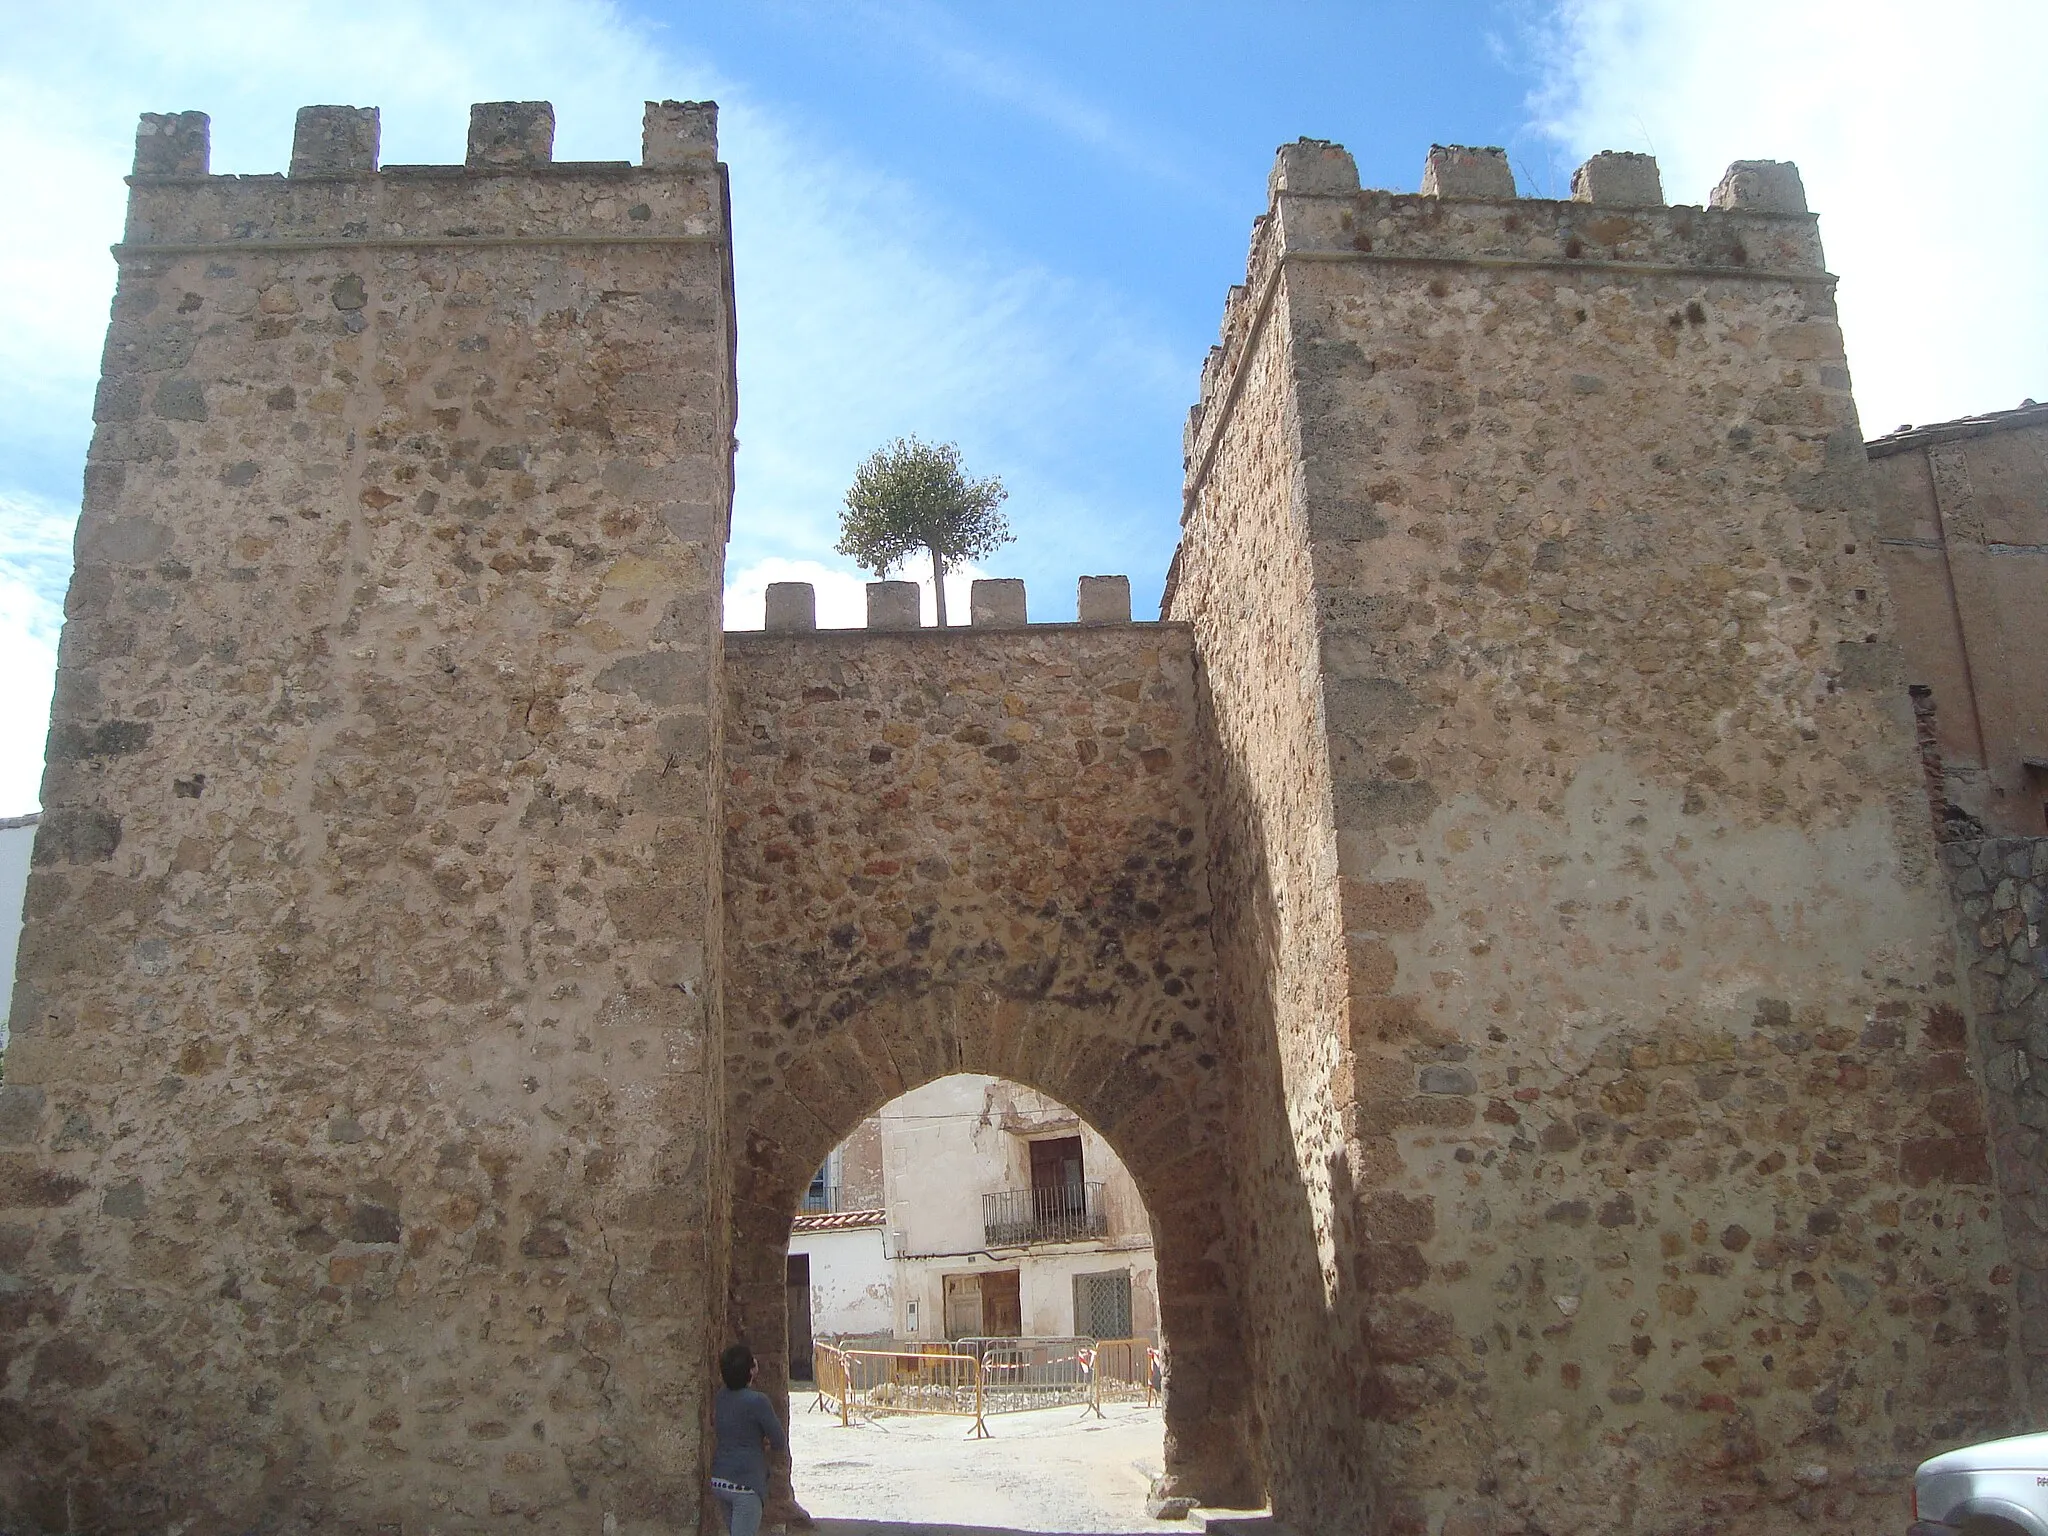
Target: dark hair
x,y
736,1365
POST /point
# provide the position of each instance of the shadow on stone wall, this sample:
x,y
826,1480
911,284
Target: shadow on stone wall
x,y
1316,1392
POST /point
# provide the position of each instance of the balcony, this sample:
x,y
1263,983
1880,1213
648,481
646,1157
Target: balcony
x,y
1054,1213
822,1200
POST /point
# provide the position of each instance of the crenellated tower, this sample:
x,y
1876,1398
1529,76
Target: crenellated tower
x,y
1599,1045
362,1103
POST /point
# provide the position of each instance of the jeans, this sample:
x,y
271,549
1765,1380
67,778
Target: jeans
x,y
742,1510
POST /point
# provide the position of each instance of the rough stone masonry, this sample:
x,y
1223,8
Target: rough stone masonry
x,y
1495,915
363,1126
1623,1167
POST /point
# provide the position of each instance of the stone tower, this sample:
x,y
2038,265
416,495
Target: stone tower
x,y
1598,1037
365,1066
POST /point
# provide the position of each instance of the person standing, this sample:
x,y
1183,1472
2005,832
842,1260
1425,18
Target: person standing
x,y
746,1430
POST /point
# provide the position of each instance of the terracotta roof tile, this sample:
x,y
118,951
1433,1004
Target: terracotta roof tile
x,y
837,1221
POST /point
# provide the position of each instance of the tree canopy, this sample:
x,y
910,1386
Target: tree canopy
x,y
910,495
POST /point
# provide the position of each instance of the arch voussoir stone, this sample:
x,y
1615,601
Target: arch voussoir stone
x,y
870,1043
1077,1074
832,1082
782,1117
939,1038
1120,1093
769,1184
759,1224
1007,1038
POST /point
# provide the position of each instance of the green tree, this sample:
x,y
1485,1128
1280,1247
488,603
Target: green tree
x,y
911,495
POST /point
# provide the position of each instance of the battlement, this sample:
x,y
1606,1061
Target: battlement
x,y
337,192
1754,221
893,606
1755,226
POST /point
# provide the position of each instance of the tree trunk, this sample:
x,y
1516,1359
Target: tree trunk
x,y
939,582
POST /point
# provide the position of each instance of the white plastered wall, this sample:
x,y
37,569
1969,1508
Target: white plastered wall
x,y
852,1289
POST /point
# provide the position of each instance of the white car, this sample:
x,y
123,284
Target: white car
x,y
1999,1488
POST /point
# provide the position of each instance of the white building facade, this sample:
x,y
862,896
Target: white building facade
x,y
973,1207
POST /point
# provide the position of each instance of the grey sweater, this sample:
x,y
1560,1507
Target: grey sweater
x,y
743,1420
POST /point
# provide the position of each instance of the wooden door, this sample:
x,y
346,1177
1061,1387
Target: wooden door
x,y
1056,1191
963,1307
797,1279
1056,1163
1002,1305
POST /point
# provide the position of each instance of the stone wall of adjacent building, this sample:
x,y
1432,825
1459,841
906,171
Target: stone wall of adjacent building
x,y
359,1164
2000,887
1962,522
862,1186
982,850
1667,1157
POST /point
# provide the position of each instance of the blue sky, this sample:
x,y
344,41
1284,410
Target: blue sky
x,y
1012,225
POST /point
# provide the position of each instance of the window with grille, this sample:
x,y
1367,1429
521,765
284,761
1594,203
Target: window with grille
x,y
1102,1305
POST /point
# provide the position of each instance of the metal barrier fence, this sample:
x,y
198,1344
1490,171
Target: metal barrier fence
x,y
1124,1371
973,1378
871,1382
1022,1374
828,1376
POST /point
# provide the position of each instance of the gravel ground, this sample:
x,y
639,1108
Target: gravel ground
x,y
1056,1469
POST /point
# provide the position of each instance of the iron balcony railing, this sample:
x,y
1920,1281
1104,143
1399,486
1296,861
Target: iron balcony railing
x,y
1055,1213
822,1199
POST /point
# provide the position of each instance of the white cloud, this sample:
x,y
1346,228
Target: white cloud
x,y
866,311
35,560
1922,136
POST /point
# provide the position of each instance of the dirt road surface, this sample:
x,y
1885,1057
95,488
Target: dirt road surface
x,y
1053,1470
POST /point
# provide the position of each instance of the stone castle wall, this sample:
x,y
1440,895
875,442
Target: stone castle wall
x,y
360,1133
1668,1163
1495,919
982,850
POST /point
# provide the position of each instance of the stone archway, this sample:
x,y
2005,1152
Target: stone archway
x,y
1176,1173
977,851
